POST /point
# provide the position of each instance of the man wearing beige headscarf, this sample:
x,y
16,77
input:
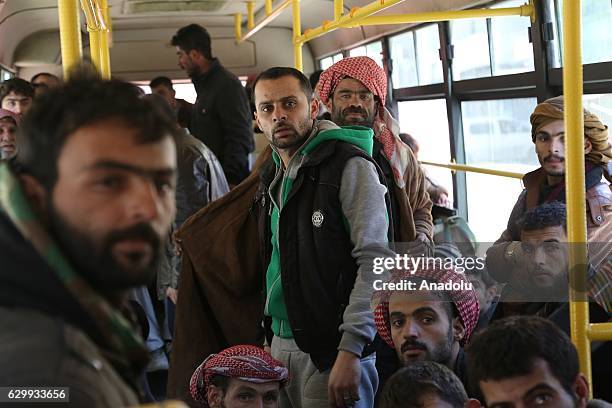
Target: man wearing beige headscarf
x,y
547,184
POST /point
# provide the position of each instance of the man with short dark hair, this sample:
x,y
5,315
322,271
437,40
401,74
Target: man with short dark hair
x,y
84,212
425,384
16,95
323,218
424,324
8,130
241,376
526,361
162,86
43,81
221,117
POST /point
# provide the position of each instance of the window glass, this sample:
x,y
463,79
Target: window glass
x,y
600,105
428,56
4,75
404,60
497,135
329,61
512,51
426,121
596,33
471,49
183,90
372,50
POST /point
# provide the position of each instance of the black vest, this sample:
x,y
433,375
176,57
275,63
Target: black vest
x,y
317,270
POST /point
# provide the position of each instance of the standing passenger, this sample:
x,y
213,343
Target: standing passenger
x,y
163,86
84,213
221,118
8,129
44,81
16,95
323,220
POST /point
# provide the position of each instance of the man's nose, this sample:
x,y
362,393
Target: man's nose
x,y
410,329
279,114
145,203
539,257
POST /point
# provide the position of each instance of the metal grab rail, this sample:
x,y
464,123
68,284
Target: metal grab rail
x,y
70,35
251,26
473,169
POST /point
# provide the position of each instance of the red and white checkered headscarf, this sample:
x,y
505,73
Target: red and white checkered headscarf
x,y
386,129
243,362
465,301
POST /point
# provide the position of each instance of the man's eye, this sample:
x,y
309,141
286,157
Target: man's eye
x,y
366,97
397,323
345,96
111,182
266,108
528,249
542,399
164,185
270,399
428,320
542,137
291,104
244,397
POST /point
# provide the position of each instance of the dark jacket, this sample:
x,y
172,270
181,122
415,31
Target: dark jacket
x,y
318,270
222,121
46,337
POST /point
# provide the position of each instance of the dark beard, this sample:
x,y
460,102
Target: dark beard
x,y
338,117
95,262
441,353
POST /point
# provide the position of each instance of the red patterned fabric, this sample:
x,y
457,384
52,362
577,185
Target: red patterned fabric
x,y
243,362
8,114
465,301
386,130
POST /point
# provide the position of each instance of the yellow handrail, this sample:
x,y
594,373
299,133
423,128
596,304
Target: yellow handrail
x,y
574,182
269,17
600,331
472,169
250,14
70,35
338,9
526,10
297,31
95,14
105,40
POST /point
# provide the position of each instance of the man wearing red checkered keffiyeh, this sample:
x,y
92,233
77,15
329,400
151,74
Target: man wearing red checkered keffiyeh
x,y
423,321
354,91
243,375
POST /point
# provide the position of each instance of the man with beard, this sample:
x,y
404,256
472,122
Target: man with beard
x,y
547,184
221,117
526,361
323,218
354,91
241,376
428,325
84,211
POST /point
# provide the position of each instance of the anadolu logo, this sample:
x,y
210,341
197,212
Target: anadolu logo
x,y
317,218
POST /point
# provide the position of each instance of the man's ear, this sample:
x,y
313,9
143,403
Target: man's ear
x,y
588,147
35,193
314,108
195,55
214,396
472,403
581,389
330,104
458,329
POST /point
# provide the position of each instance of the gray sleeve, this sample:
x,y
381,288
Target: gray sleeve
x,y
362,197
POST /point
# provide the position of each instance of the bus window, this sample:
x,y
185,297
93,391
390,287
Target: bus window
x,y
329,61
496,135
372,50
471,49
408,69
427,122
512,52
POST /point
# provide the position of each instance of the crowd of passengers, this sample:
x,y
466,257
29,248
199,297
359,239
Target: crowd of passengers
x,y
142,260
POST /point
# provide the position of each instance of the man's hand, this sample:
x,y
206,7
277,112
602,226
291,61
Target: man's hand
x,y
344,379
172,294
443,201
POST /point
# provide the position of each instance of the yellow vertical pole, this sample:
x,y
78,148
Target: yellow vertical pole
x,y
70,34
268,7
105,68
238,26
338,9
297,32
250,14
574,179
94,47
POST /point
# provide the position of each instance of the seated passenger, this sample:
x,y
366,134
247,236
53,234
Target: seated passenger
x,y
241,376
527,361
428,325
16,95
8,130
84,211
547,184
44,81
425,384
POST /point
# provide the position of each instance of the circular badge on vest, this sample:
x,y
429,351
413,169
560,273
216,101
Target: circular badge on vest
x,y
317,218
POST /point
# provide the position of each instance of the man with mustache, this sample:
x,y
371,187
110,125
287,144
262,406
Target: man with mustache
x,y
547,184
428,325
8,130
84,211
323,219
